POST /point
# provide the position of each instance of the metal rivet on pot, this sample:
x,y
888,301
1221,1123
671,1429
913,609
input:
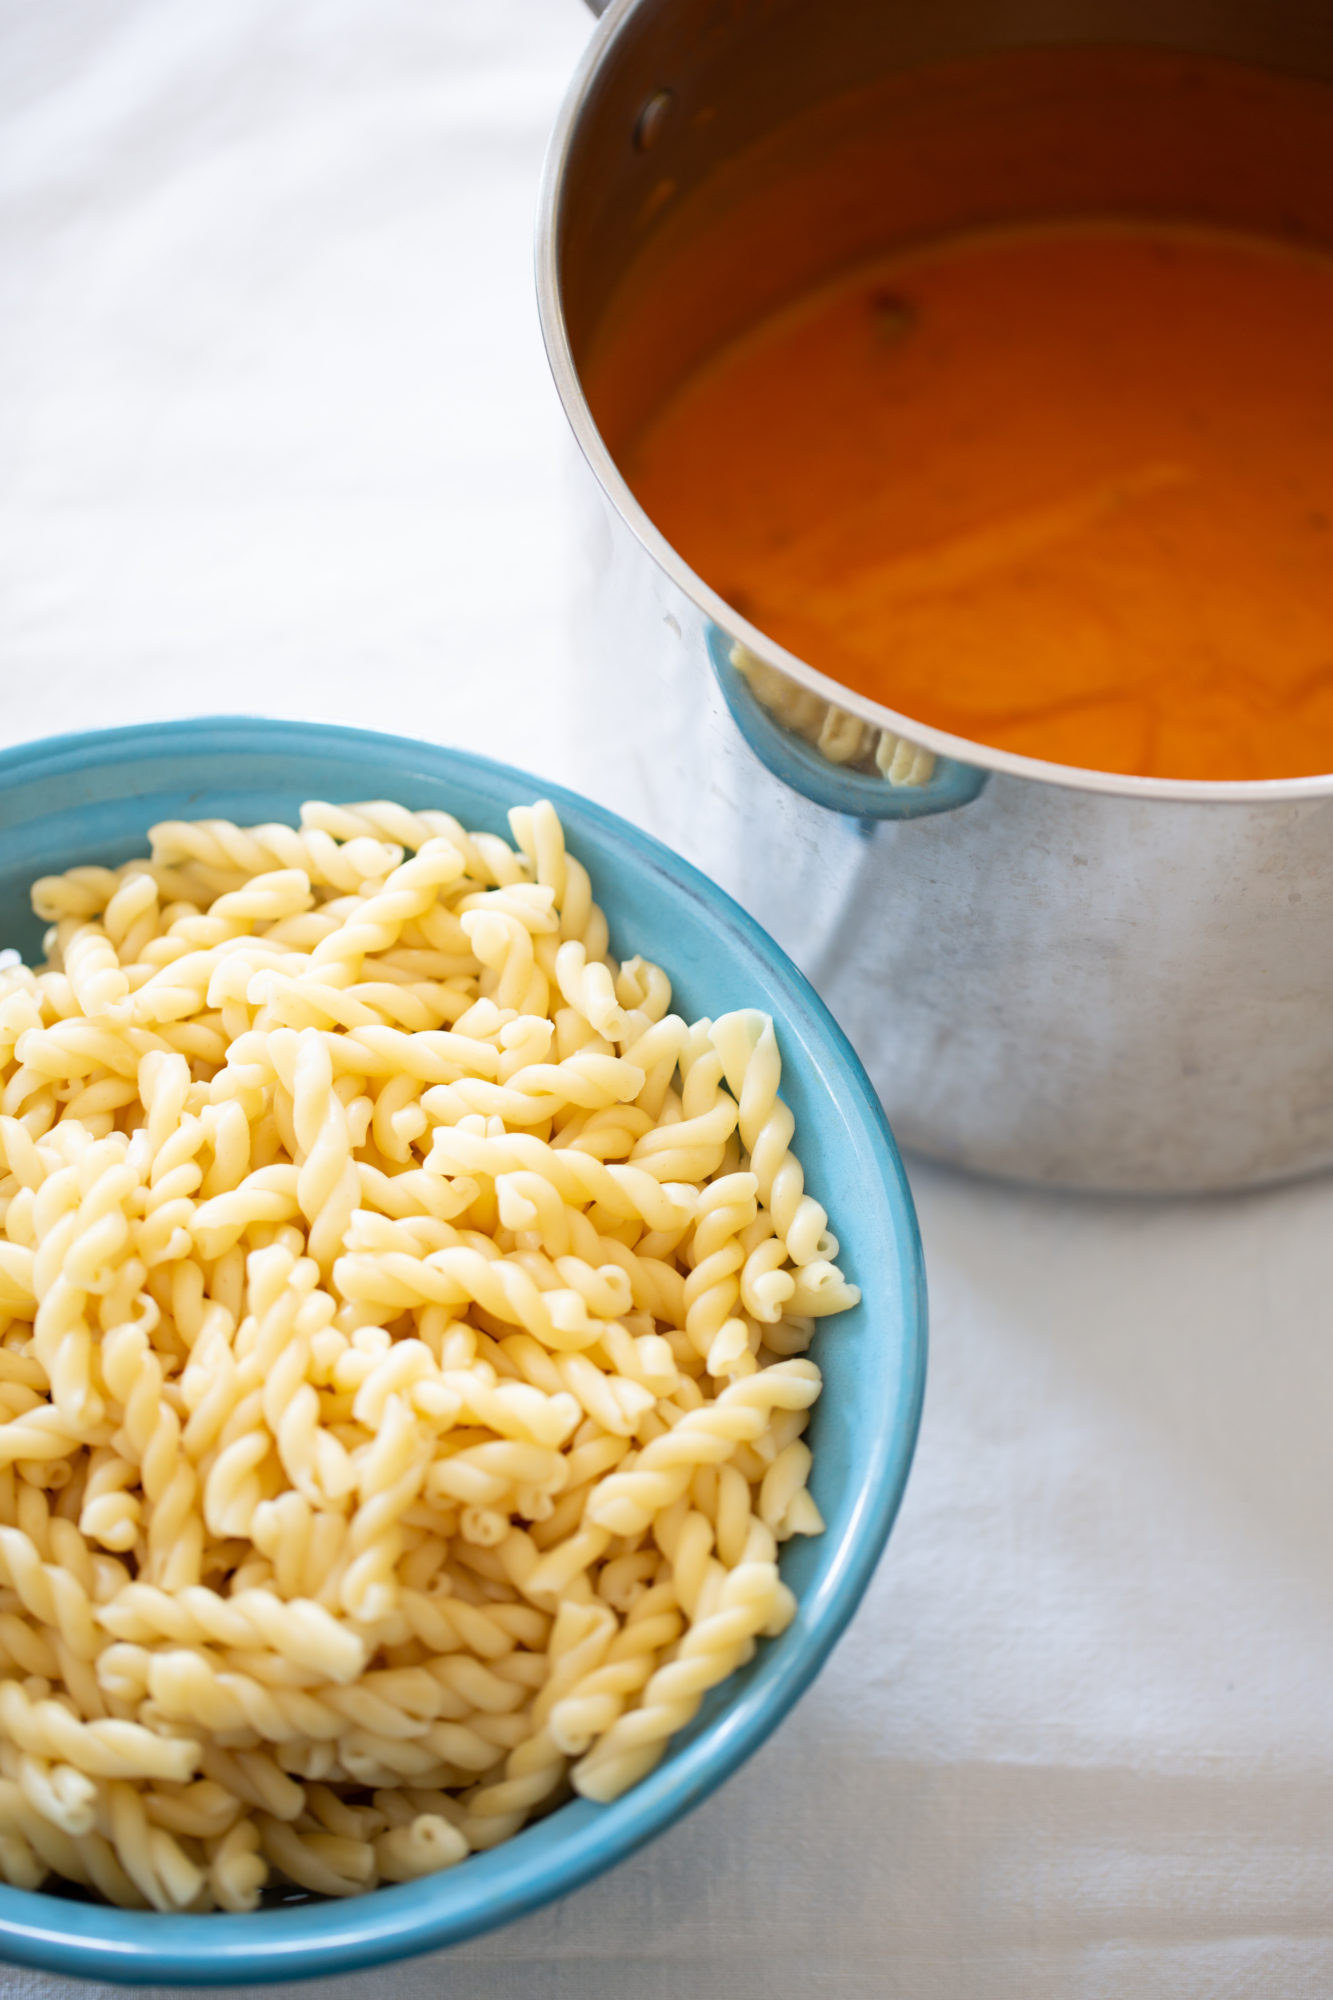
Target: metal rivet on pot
x,y
652,118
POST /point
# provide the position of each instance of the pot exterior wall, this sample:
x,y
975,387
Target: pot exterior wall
x,y
1045,984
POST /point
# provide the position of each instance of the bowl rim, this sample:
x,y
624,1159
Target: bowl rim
x,y
146,1947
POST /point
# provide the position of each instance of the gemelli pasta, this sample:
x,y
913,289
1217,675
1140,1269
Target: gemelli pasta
x,y
403,1319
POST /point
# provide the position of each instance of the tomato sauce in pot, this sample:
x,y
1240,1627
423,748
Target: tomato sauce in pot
x,y
1065,488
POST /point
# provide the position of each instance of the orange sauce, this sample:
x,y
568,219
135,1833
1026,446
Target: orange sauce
x,y
1063,489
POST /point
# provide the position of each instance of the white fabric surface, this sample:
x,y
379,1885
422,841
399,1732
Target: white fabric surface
x,y
277,435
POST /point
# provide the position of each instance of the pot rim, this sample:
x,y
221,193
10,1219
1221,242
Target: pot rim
x,y
569,387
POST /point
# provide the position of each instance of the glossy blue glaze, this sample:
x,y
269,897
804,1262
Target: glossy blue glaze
x,y
92,797
859,794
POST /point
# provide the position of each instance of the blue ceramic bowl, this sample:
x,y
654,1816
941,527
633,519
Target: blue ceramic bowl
x,y
93,797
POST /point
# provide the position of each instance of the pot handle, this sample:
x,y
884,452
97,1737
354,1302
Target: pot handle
x,y
905,783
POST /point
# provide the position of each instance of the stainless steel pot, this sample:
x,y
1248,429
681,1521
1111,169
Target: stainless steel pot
x,y
1054,974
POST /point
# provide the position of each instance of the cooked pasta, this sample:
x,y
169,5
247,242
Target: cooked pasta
x,y
403,1319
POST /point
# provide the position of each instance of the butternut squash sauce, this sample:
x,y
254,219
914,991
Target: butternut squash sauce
x,y
1065,489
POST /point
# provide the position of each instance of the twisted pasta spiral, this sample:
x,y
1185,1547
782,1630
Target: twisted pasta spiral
x,y
401,1400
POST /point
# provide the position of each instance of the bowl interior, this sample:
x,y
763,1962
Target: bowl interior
x,y
92,798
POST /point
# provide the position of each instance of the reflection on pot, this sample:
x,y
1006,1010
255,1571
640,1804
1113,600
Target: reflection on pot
x,y
838,736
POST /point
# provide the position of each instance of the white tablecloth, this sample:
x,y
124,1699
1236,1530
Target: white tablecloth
x,y
277,435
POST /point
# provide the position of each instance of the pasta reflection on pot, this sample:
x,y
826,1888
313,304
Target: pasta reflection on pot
x,y
840,737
